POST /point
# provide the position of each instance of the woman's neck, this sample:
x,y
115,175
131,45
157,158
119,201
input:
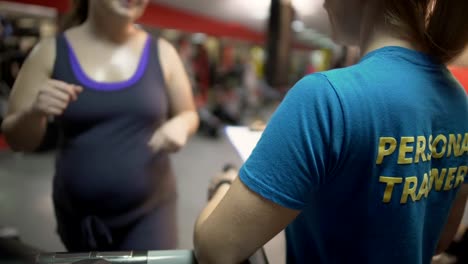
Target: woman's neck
x,y
108,28
381,38
376,34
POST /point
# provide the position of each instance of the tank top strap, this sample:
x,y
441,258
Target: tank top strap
x,y
62,69
155,65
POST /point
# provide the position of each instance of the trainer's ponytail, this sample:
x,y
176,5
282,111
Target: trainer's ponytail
x,y
447,28
439,27
77,15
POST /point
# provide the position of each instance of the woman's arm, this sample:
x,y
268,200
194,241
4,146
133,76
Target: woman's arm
x,y
24,128
179,88
184,117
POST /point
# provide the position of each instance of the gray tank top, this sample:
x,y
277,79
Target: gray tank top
x,y
104,166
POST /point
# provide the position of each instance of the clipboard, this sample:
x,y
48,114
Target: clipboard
x,y
243,138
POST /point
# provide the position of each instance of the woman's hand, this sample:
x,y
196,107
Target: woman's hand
x,y
171,136
54,97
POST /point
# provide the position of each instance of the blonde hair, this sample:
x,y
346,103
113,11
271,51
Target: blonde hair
x,y
440,27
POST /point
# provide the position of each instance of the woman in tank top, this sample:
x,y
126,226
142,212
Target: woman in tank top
x,y
123,103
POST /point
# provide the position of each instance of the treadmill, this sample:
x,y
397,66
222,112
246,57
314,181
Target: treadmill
x,y
14,251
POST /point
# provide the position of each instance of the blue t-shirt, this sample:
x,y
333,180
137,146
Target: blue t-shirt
x,y
373,155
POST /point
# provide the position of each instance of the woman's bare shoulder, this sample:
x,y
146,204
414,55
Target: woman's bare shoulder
x,y
42,56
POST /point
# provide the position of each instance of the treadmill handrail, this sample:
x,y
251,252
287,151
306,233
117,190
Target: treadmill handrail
x,y
136,257
127,257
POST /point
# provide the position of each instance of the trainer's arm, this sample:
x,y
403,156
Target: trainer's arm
x,y
237,222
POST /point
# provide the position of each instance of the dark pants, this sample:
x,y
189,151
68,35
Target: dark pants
x,y
155,230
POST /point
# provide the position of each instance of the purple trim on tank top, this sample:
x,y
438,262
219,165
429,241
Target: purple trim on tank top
x,y
109,86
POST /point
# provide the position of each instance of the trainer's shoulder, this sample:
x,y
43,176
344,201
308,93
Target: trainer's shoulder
x,y
313,90
347,74
312,85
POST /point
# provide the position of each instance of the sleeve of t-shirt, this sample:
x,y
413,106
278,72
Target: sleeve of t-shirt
x,y
300,146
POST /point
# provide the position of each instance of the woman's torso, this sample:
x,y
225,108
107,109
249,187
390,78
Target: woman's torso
x,y
104,165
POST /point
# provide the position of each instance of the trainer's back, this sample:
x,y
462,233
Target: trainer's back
x,y
403,159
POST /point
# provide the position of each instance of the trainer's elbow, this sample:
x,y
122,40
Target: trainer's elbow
x,y
208,252
210,256
200,247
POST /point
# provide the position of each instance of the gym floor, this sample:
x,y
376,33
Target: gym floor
x,y
25,193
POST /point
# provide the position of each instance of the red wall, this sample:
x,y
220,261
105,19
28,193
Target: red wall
x,y
60,5
462,75
161,16
168,17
